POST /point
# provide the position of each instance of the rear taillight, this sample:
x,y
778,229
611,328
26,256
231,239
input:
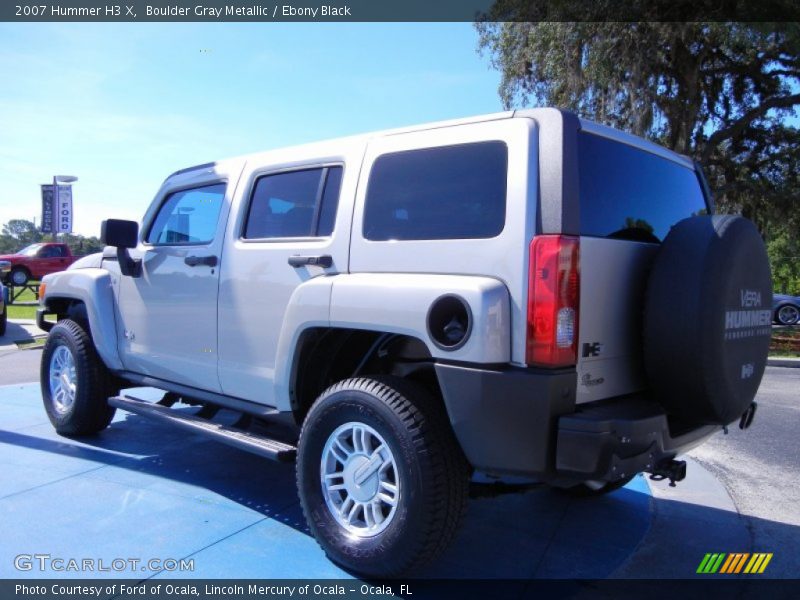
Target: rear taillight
x,y
553,301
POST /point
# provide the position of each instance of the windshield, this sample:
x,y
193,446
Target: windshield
x,y
29,250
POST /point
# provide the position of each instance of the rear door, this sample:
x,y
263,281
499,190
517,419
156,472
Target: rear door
x,y
294,206
631,193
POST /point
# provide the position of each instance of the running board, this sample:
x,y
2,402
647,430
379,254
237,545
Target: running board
x,y
238,438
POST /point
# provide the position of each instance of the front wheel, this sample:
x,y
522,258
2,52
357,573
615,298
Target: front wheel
x,y
19,276
75,382
382,480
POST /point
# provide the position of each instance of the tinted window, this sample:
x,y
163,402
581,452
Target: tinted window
x,y
454,192
627,193
294,204
188,216
50,252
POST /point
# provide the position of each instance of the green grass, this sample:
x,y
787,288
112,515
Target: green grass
x,y
783,354
15,311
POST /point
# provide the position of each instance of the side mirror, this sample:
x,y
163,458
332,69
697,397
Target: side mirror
x,y
119,233
123,235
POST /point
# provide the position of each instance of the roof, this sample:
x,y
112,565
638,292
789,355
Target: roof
x,y
360,139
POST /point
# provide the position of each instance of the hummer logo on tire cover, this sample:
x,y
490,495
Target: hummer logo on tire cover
x,y
748,323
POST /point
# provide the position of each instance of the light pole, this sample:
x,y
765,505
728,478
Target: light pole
x,y
69,180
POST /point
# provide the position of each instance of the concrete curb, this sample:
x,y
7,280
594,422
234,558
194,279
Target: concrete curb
x,y
784,362
27,332
23,321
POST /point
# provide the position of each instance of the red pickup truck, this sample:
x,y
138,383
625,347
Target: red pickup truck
x,y
36,261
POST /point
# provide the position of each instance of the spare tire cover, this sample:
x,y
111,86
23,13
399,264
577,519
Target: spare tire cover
x,y
708,318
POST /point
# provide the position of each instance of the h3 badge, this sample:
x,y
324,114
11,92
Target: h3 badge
x,y
592,349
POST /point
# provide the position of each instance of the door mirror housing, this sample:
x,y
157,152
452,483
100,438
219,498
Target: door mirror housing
x,y
119,233
123,235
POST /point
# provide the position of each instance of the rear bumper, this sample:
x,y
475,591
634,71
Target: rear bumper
x,y
618,438
525,422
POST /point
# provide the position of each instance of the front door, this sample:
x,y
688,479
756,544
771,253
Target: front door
x,y
168,315
51,260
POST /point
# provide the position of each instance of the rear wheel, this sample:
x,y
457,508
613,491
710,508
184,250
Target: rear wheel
x,y
75,382
381,478
3,320
789,314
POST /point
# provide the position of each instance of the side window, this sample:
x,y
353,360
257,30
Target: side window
x,y
452,192
188,217
294,204
49,252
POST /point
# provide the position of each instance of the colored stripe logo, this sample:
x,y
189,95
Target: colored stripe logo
x,y
734,563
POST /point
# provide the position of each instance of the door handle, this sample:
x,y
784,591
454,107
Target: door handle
x,y
193,261
325,261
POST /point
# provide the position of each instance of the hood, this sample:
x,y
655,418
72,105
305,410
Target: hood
x,y
91,261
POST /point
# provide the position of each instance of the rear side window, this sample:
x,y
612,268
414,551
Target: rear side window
x,y
294,204
627,193
452,192
188,217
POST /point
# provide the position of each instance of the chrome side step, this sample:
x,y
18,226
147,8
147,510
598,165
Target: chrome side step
x,y
272,449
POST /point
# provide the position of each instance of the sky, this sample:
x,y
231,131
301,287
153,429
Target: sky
x,y
123,105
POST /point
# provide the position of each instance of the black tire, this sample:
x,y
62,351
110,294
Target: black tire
x,y
793,318
432,474
89,411
3,321
589,490
19,276
707,322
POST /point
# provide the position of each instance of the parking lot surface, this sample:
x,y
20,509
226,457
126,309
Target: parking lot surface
x,y
145,491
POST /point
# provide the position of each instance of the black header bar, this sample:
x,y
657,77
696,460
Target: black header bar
x,y
268,11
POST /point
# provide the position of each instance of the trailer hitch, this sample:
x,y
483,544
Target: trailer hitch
x,y
674,470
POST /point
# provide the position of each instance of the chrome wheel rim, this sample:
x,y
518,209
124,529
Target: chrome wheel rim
x,y
788,315
63,379
360,480
19,278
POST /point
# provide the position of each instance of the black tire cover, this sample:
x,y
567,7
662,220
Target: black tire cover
x,y
708,318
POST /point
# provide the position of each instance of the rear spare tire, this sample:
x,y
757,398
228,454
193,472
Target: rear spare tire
x,y
707,321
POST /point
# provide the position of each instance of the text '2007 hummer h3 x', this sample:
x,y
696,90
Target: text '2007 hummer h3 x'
x,y
524,293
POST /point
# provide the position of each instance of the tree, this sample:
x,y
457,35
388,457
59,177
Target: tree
x,y
784,256
719,92
17,234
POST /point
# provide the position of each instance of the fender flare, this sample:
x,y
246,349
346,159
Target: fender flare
x,y
92,287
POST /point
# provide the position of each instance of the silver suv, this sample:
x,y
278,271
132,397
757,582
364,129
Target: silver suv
x,y
524,293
